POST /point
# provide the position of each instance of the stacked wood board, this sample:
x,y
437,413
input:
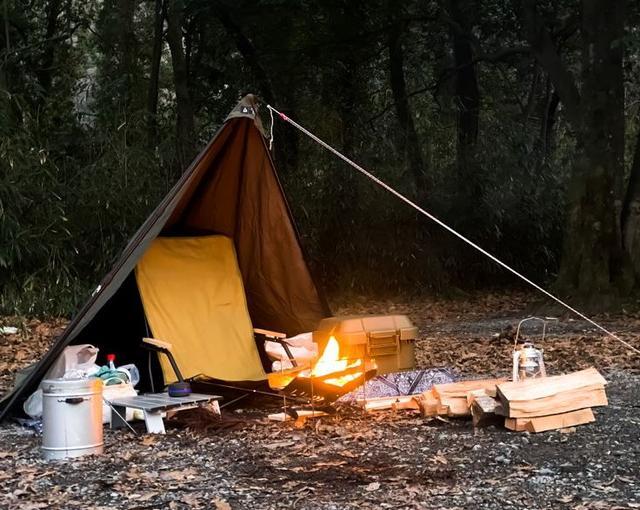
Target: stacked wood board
x,y
395,403
456,399
535,405
553,402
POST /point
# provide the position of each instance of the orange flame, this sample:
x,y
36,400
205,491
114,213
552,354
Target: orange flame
x,y
331,362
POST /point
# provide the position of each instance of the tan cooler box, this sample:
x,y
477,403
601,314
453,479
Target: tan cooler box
x,y
390,339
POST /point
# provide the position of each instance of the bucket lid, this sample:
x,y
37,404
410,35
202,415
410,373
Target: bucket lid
x,y
90,384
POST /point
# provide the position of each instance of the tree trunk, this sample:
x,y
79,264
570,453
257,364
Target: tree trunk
x,y
547,110
5,101
286,149
467,96
185,123
592,263
246,49
409,145
45,71
154,74
631,210
127,49
544,50
548,122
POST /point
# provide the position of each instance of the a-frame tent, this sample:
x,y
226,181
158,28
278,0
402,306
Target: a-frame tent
x,y
231,189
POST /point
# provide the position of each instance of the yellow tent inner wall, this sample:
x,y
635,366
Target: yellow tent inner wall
x,y
193,297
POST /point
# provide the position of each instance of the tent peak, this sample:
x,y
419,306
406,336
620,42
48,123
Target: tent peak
x,y
247,108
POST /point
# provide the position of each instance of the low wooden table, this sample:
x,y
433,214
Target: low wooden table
x,y
154,404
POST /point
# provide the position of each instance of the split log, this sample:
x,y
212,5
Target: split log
x,y
407,404
442,410
553,395
472,395
542,387
454,395
461,388
395,403
302,413
560,403
457,406
560,421
516,424
483,411
429,404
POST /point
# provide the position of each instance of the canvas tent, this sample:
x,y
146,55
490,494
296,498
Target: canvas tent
x,y
231,189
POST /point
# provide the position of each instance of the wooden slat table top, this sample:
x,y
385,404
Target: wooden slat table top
x,y
162,401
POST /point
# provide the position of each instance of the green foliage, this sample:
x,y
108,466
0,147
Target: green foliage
x,y
80,167
63,220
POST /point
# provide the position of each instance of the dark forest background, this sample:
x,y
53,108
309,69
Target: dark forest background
x,y
517,122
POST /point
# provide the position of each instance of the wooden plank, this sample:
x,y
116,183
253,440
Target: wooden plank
x,y
492,392
542,387
302,413
396,402
411,405
516,424
472,395
560,421
429,404
483,411
461,388
560,403
442,410
457,406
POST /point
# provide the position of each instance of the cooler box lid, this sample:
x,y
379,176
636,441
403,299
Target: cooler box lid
x,y
356,329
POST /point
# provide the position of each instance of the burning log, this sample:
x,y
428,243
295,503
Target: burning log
x,y
329,392
329,378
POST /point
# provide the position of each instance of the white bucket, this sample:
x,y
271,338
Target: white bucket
x,y
71,418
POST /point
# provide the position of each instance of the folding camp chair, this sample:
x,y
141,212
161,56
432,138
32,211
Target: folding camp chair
x,y
193,297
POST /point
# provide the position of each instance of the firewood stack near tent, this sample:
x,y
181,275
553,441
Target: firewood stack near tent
x,y
534,405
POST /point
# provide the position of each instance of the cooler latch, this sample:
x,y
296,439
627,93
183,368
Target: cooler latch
x,y
382,343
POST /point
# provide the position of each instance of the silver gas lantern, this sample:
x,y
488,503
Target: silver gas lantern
x,y
528,360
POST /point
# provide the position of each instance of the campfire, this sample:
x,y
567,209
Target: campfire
x,y
340,370
330,377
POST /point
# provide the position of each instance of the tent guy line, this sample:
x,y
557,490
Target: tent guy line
x,y
433,218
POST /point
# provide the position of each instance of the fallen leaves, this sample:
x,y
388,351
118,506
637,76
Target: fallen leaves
x,y
221,504
149,440
179,475
350,460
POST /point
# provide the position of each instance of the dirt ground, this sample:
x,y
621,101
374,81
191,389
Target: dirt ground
x,y
357,460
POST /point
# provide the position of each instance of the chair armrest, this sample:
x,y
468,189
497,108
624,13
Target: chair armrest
x,y
160,344
269,333
276,336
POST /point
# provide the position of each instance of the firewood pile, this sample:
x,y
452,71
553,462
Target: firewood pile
x,y
533,405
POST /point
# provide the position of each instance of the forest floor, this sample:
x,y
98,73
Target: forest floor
x,y
355,460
